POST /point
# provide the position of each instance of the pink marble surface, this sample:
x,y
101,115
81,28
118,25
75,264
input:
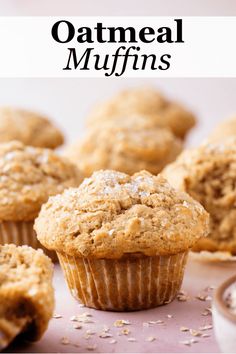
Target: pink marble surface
x,y
168,335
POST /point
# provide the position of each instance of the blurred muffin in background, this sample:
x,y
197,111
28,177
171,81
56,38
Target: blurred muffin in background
x,y
28,127
26,292
128,146
28,176
146,102
223,130
208,174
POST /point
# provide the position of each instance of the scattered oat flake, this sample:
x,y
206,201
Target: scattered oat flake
x,y
205,328
150,339
184,329
121,323
85,318
105,335
131,339
125,331
203,297
185,342
87,336
106,329
112,341
56,315
209,298
207,312
182,292
86,314
189,342
73,318
205,335
182,298
195,333
91,347
77,326
157,322
169,316
209,288
65,341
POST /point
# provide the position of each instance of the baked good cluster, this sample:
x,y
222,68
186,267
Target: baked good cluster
x,y
122,206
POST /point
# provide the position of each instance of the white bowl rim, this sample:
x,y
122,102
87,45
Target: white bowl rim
x,y
219,300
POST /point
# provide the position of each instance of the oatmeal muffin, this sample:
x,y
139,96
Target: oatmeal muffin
x,y
122,240
25,280
146,102
28,176
224,130
208,174
28,127
128,148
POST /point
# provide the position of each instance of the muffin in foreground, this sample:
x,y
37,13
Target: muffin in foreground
x,y
28,176
122,241
208,174
28,127
149,103
224,130
26,293
128,147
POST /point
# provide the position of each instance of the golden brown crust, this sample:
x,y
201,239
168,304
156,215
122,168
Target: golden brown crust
x,y
128,146
28,176
208,174
28,127
146,102
111,214
26,292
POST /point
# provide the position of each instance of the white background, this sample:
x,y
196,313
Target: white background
x,y
28,49
69,100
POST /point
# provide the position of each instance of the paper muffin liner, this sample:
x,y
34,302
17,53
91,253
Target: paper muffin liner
x,y
22,233
127,284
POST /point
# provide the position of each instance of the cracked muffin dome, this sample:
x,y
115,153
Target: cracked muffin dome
x,y
149,103
28,176
208,174
26,292
112,214
127,147
224,130
28,127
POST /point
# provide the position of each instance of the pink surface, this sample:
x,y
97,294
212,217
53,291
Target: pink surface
x,y
168,335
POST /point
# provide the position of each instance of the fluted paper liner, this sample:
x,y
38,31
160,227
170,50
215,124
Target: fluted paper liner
x,y
133,282
22,233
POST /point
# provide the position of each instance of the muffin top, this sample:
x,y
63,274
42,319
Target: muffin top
x,y
149,103
112,214
25,279
213,165
28,127
28,176
128,147
224,130
208,174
